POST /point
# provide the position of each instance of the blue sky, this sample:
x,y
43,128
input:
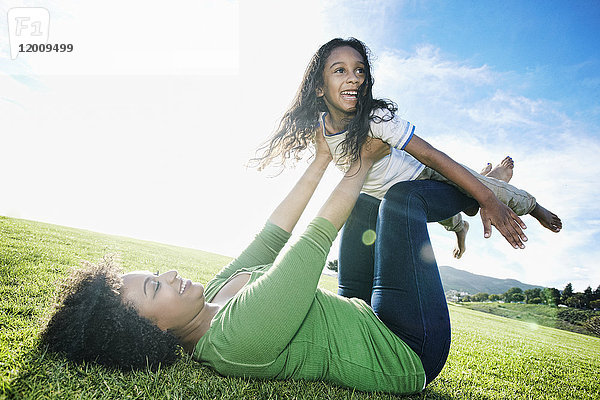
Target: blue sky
x,y
542,39
552,42
145,132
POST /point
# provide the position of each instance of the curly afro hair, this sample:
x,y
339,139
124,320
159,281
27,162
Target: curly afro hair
x,y
92,323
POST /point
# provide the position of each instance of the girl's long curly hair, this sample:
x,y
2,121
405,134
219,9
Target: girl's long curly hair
x,y
92,323
299,123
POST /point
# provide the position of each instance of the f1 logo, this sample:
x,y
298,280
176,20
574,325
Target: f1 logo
x,y
27,25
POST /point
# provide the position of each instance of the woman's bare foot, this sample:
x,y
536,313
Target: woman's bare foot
x,y
461,247
548,219
502,171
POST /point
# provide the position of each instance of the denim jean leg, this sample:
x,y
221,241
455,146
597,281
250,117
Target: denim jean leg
x,y
407,291
356,258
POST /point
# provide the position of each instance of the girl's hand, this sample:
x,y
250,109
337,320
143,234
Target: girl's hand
x,y
321,147
496,213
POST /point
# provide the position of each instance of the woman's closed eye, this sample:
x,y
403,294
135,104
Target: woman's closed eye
x,y
156,282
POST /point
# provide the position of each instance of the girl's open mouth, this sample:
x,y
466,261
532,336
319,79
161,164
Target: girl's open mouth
x,y
350,94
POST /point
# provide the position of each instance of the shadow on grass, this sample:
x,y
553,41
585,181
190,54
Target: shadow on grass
x,y
48,376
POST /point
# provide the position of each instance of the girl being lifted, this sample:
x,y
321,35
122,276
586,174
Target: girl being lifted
x,y
335,100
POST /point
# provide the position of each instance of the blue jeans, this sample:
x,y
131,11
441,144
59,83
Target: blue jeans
x,y
398,275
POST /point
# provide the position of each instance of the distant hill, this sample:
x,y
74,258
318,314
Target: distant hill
x,y
463,281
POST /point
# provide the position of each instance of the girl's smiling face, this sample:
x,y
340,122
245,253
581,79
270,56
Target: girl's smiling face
x,y
168,300
343,74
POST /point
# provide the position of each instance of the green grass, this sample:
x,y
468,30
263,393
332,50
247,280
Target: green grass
x,y
491,357
552,317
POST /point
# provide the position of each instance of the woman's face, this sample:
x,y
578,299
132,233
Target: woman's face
x,y
168,300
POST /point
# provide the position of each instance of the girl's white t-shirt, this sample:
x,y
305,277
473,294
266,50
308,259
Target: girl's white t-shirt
x,y
398,166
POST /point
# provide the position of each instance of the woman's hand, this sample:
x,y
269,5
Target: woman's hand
x,y
371,151
374,149
290,209
494,212
339,205
321,147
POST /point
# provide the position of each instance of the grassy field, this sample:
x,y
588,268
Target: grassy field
x,y
491,357
537,314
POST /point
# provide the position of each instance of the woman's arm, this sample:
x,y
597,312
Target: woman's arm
x,y
268,313
268,243
288,212
338,206
493,212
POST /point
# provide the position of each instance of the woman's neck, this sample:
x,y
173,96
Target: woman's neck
x,y
190,334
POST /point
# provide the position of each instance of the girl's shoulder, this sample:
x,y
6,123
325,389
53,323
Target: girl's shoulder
x,y
386,124
384,116
379,115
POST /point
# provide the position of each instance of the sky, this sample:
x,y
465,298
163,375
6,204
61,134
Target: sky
x,y
145,128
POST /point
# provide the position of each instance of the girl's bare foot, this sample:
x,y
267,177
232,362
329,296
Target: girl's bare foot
x,y
461,247
487,169
502,171
548,219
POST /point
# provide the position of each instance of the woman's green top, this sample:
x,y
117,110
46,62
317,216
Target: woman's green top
x,y
281,326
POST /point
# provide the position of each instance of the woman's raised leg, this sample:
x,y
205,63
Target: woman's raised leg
x,y
407,291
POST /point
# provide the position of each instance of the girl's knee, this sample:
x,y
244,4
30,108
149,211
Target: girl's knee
x,y
406,192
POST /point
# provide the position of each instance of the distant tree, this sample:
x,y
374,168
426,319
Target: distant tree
x,y
510,293
480,297
531,294
577,301
333,265
518,297
465,299
597,293
572,302
551,296
566,293
589,296
495,297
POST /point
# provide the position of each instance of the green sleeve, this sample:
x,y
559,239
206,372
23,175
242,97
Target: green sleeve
x,y
264,318
262,251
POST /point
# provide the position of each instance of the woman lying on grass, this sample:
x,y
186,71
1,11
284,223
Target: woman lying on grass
x,y
265,319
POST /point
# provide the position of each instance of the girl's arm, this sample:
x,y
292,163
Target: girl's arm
x,y
493,212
